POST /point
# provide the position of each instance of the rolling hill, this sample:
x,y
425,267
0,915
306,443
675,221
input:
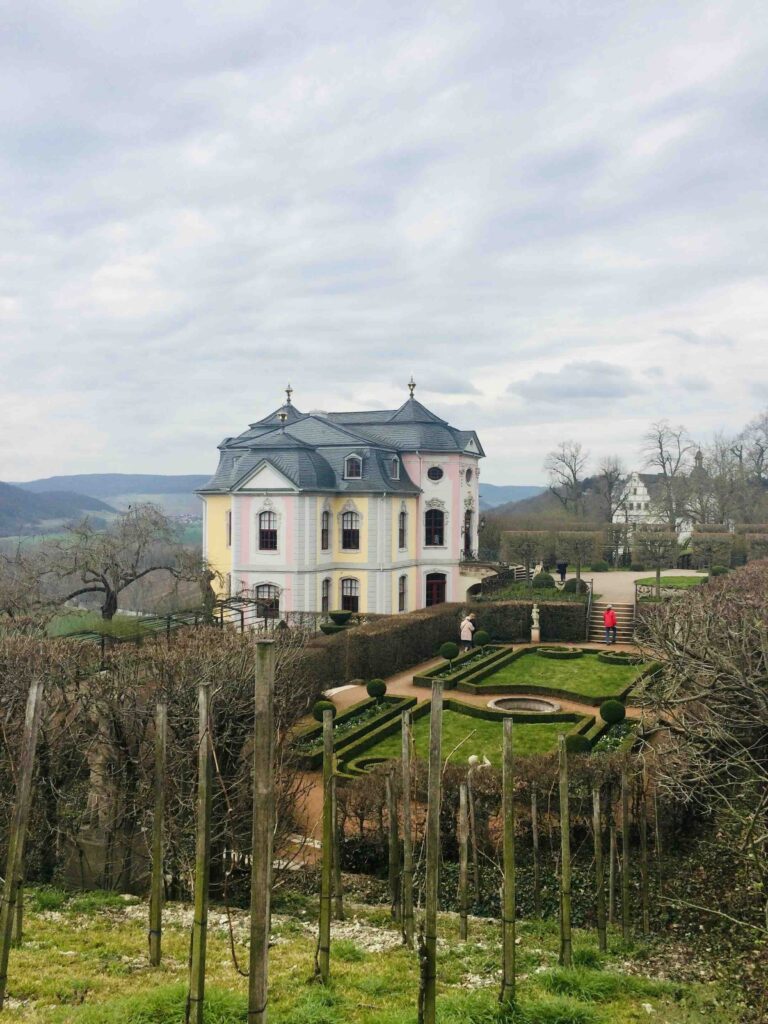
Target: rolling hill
x,y
492,495
22,511
173,494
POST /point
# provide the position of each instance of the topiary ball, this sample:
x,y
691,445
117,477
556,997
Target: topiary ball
x,y
543,581
719,570
376,688
340,617
612,712
482,638
577,744
637,567
575,586
449,650
321,706
600,567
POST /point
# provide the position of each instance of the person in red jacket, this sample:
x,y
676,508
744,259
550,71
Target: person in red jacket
x,y
609,621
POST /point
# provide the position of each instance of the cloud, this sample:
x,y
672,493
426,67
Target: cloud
x,y
198,209
576,381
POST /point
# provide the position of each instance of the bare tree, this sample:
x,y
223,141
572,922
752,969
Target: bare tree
x,y
655,545
525,547
565,466
667,451
755,440
579,546
610,487
89,561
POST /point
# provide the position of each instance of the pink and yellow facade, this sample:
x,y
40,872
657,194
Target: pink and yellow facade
x,y
373,512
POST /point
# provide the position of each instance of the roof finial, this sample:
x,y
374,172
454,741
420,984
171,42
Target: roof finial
x,y
411,385
288,393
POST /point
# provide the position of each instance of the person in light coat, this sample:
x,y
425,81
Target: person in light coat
x,y
467,628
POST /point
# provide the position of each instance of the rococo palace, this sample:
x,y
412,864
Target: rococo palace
x,y
367,511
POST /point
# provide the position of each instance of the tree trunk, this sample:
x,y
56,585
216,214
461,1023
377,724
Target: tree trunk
x,y
597,829
15,862
157,877
323,964
535,840
338,836
262,829
626,931
196,997
507,996
407,831
394,847
463,835
566,950
658,581
433,851
109,604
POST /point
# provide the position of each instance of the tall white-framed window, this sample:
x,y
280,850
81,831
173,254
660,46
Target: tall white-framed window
x,y
350,595
325,596
350,531
267,531
402,530
228,526
353,467
402,593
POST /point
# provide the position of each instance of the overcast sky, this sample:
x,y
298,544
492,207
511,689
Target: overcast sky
x,y
553,214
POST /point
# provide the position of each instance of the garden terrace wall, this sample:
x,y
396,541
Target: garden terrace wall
x,y
398,642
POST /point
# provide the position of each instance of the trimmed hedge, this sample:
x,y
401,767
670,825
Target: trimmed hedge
x,y
376,688
464,666
575,586
562,653
612,712
390,709
395,643
543,581
340,618
329,628
320,707
619,658
577,744
600,567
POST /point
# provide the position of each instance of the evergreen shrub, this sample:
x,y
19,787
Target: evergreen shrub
x,y
600,567
637,567
555,651
612,712
719,570
449,650
320,706
577,744
575,586
482,638
543,581
341,618
329,628
376,688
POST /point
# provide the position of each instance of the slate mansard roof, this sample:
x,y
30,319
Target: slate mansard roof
x,y
310,448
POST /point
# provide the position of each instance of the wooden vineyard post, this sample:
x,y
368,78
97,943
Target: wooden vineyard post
x,y
196,996
407,887
156,890
644,899
612,873
566,951
15,862
473,836
262,829
323,963
626,931
463,860
507,997
338,887
535,839
429,951
597,830
394,846
18,917
657,841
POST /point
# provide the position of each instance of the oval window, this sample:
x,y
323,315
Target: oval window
x,y
435,473
468,476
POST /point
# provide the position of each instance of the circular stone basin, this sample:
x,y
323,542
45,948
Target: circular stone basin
x,y
533,705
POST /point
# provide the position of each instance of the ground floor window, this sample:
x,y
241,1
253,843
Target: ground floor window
x,y
435,592
267,600
325,596
402,585
350,595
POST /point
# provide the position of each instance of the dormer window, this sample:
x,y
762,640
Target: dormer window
x,y
394,469
353,467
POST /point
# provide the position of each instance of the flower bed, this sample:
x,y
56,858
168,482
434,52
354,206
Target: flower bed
x,y
463,666
349,726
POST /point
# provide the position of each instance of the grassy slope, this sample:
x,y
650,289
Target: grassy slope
x,y
464,735
85,963
585,675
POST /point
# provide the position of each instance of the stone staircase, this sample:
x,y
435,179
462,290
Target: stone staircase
x,y
625,622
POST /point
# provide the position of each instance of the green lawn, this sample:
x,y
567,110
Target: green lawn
x,y
86,963
464,735
672,582
584,676
80,622
522,592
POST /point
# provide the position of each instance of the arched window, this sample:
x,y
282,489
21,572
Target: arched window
x,y
434,528
350,531
325,530
402,529
267,531
267,601
402,585
350,595
395,469
353,467
468,531
325,596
